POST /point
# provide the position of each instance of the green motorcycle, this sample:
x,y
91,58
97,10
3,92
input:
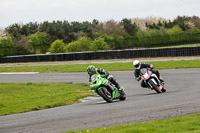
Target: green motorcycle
x,y
106,89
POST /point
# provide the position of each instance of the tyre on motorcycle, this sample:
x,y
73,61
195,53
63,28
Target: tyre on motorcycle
x,y
105,94
122,95
155,87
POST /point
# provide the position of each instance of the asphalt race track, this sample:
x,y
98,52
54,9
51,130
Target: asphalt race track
x,y
182,98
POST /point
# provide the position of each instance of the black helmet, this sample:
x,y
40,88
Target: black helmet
x,y
91,69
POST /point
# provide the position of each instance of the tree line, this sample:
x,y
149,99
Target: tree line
x,y
64,36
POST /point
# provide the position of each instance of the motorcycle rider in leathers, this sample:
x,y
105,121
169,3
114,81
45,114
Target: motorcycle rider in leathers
x,y
92,70
139,66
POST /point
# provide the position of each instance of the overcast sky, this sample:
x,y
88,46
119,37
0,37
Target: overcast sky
x,y
25,11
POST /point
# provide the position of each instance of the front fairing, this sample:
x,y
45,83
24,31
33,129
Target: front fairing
x,y
97,82
145,73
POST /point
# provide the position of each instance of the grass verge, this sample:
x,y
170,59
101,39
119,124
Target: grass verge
x,y
183,124
107,66
184,45
23,97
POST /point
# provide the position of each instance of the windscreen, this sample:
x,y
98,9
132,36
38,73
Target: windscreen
x,y
143,71
94,77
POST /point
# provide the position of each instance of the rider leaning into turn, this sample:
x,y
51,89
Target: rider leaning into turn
x,y
92,70
139,66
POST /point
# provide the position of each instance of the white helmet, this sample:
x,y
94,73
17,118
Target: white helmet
x,y
136,64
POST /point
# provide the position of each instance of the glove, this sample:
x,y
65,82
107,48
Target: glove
x,y
152,67
109,77
93,88
106,75
138,78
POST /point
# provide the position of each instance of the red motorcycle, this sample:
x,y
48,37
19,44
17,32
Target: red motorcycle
x,y
151,80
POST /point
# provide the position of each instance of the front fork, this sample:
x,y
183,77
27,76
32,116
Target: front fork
x,y
114,91
160,84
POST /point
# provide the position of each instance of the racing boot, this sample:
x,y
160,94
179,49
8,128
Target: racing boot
x,y
162,82
122,95
116,84
161,79
121,89
158,75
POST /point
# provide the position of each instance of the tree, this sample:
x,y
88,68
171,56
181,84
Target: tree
x,y
39,42
112,27
82,44
99,44
6,47
29,28
14,31
195,20
182,22
58,46
23,46
175,34
129,27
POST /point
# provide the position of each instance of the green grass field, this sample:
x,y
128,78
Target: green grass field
x,y
183,124
184,45
107,66
23,97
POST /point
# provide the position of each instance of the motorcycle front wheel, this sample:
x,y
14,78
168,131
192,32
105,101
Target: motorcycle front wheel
x,y
155,87
105,94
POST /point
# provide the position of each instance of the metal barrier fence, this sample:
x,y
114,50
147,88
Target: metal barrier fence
x,y
114,54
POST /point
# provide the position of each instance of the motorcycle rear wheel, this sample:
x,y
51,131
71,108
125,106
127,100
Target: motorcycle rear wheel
x,y
122,96
163,90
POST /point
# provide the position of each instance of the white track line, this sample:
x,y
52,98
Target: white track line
x,y
20,73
